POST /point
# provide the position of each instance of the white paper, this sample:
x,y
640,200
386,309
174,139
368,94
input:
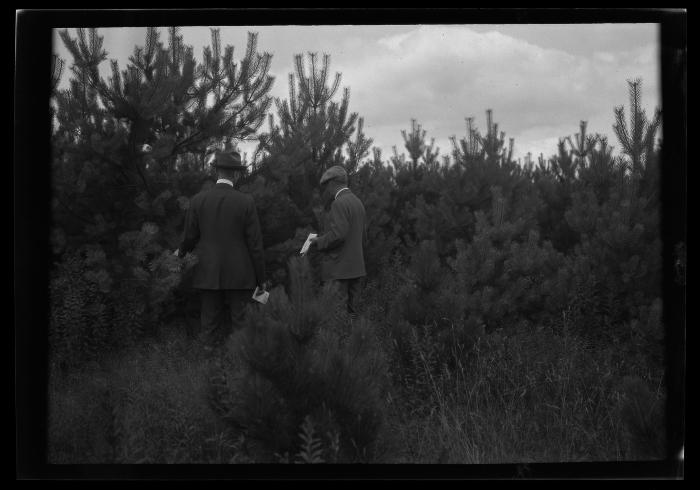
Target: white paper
x,y
260,296
307,243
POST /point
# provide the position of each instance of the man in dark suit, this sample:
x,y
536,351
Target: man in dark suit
x,y
343,241
222,228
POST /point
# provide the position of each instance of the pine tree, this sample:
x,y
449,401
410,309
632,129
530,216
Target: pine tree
x,y
414,143
398,161
468,148
637,139
129,134
375,186
311,132
603,171
492,145
358,149
563,164
377,156
430,156
475,147
303,361
57,65
128,153
614,209
505,273
584,143
418,149
310,120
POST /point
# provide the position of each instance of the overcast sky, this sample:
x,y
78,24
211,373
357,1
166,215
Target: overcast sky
x,y
540,80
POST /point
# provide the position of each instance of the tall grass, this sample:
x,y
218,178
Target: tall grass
x,y
147,405
531,396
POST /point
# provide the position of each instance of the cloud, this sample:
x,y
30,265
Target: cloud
x,y
442,74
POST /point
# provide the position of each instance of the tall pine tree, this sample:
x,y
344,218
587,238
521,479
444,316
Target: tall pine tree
x,y
128,152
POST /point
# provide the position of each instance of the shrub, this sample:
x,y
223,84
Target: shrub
x,y
79,327
506,273
101,303
303,358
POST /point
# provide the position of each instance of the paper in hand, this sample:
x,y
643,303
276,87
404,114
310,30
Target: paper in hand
x,y
261,296
307,243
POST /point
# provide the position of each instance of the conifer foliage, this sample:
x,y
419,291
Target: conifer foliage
x,y
304,363
312,131
130,151
313,128
637,138
476,263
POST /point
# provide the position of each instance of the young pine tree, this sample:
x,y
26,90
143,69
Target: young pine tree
x,y
129,151
584,144
125,139
309,134
303,361
637,138
358,149
313,128
467,150
414,143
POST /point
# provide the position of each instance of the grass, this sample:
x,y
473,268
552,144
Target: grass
x,y
535,396
146,405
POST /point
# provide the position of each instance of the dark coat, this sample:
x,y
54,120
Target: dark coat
x,y
222,228
344,238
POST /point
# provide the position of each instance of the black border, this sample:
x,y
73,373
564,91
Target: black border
x,y
31,197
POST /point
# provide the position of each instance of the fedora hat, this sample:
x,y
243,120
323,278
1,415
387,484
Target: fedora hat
x,y
228,159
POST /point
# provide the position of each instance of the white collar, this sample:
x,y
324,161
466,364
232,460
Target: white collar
x,y
339,191
224,181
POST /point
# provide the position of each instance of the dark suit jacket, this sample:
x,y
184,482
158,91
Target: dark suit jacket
x,y
344,239
222,223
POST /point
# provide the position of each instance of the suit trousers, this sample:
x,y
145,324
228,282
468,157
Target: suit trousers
x,y
222,311
350,289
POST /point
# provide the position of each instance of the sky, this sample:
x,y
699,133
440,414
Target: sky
x,y
540,80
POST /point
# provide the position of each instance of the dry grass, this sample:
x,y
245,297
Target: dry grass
x,y
148,405
546,397
538,396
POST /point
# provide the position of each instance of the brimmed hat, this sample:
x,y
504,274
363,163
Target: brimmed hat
x,y
228,159
335,172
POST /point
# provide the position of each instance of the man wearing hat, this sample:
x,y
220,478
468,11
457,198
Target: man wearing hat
x,y
222,227
343,241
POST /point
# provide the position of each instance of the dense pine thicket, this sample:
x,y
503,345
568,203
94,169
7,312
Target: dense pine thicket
x,y
512,311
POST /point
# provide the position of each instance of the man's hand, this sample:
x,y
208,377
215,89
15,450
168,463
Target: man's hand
x,y
310,240
176,253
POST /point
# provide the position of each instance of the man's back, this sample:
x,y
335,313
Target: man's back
x,y
223,224
344,245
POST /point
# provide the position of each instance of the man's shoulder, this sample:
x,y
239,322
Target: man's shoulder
x,y
244,196
242,199
348,198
